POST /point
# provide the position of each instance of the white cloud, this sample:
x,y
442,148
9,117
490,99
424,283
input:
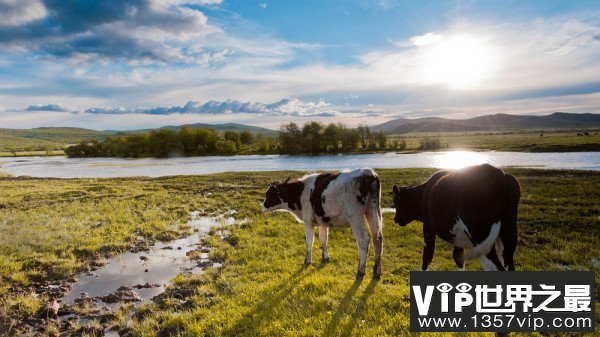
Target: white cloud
x,y
423,40
115,30
18,12
284,107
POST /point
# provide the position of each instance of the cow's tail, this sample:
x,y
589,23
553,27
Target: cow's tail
x,y
372,186
373,204
510,204
486,245
507,241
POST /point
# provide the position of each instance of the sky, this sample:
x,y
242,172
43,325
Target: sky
x,y
128,64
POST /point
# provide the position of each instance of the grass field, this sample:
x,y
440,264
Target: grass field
x,y
43,141
520,141
53,228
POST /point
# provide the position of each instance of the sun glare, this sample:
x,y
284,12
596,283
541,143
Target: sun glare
x,y
458,159
460,62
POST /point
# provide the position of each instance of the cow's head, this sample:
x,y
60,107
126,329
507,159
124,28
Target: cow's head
x,y
272,200
403,204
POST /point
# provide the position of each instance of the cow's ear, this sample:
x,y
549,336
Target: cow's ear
x,y
396,190
288,179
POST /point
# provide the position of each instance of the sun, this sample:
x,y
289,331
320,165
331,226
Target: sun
x,y
460,61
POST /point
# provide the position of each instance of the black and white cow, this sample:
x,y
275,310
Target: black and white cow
x,y
331,200
471,208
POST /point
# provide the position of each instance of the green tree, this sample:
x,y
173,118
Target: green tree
x,y
234,137
312,136
225,147
381,140
331,136
290,137
246,137
164,143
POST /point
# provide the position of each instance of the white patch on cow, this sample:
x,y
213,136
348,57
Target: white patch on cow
x,y
486,245
487,264
461,235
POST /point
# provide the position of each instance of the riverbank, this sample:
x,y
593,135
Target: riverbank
x,y
52,229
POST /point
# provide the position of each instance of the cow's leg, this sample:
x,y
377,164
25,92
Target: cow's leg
x,y
490,261
429,247
374,220
323,234
493,256
500,246
362,240
509,243
310,237
459,257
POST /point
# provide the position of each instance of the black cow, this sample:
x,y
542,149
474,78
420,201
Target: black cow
x,y
472,208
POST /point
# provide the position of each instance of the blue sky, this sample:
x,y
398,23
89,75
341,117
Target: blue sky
x,y
145,63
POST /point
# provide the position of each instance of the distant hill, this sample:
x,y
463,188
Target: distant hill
x,y
56,134
227,127
60,137
497,122
45,137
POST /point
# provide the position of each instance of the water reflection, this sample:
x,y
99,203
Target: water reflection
x,y
459,159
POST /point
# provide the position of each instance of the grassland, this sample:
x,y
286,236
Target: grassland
x,y
519,141
46,140
52,228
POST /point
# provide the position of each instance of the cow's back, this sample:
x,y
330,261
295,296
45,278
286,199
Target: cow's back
x,y
337,195
474,194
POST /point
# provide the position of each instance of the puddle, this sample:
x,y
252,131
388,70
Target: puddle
x,y
138,276
158,265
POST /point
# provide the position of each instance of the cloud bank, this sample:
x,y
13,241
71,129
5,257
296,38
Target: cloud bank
x,y
284,107
129,30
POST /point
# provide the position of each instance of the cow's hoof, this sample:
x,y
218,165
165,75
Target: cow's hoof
x,y
360,275
376,275
307,262
325,259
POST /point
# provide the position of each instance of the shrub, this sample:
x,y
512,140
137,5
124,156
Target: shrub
x,y
432,143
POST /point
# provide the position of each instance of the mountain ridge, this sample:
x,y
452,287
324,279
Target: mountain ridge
x,y
495,122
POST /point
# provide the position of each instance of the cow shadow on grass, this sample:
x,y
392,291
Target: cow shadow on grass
x,y
266,307
345,305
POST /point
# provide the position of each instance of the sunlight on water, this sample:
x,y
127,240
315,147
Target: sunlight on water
x,y
459,159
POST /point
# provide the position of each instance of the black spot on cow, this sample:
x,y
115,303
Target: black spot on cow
x,y
316,195
272,199
288,192
366,184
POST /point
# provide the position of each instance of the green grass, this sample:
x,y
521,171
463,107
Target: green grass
x,y
23,141
48,229
519,141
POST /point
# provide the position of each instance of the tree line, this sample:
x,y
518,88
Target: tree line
x,y
188,141
311,138
316,138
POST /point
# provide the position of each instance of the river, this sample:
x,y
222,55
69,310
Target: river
x,y
62,167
